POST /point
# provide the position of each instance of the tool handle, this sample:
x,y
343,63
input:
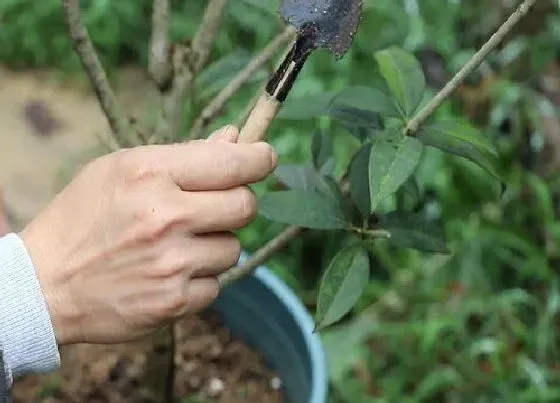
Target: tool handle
x,y
260,118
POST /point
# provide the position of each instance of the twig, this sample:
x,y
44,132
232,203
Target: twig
x,y
215,107
187,61
206,35
373,233
83,46
159,63
417,121
260,257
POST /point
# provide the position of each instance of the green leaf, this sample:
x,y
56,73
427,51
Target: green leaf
x,y
359,179
368,99
411,230
404,77
298,177
357,117
307,107
342,285
305,209
392,160
321,148
459,138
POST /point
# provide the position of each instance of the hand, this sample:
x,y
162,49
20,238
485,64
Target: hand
x,y
138,237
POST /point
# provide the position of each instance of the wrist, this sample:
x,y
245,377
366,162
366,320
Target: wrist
x,y
64,317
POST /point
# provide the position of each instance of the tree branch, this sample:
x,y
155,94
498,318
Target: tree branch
x,y
187,61
260,257
215,107
421,117
159,64
206,35
83,46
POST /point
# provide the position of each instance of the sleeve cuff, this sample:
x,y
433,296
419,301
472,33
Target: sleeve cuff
x,y
26,331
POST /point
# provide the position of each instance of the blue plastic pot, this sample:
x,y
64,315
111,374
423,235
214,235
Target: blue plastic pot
x,y
263,311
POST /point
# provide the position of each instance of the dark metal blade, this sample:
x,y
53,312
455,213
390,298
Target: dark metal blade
x,y
329,24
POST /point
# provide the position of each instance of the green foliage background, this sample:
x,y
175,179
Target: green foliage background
x,y
478,325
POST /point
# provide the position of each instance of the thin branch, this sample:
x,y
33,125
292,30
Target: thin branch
x,y
215,107
206,35
415,123
159,64
83,46
187,61
260,257
244,115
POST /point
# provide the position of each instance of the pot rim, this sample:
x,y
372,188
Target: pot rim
x,y
306,325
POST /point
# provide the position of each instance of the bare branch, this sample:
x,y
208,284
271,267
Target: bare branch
x,y
83,46
186,64
159,64
260,257
206,35
215,107
420,118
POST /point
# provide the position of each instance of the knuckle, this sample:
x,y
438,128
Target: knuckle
x,y
170,264
173,299
233,168
137,167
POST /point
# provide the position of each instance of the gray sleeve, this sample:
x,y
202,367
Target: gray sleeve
x,y
27,336
4,391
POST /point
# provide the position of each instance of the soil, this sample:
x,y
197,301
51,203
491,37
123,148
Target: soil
x,y
212,366
48,129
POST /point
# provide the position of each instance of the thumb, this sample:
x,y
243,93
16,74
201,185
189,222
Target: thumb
x,y
227,133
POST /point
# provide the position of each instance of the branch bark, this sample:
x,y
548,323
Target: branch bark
x,y
415,123
159,63
215,107
260,257
83,46
187,61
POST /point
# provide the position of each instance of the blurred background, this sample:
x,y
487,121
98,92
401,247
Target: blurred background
x,y
479,325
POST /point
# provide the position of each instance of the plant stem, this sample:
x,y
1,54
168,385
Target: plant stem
x,y
421,117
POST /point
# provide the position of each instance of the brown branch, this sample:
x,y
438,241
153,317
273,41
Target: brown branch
x,y
187,61
215,107
260,257
83,46
159,65
206,35
421,117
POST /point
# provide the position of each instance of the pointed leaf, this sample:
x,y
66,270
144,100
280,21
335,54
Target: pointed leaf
x,y
460,138
342,285
321,148
359,179
298,177
393,159
404,77
411,230
367,98
305,209
357,117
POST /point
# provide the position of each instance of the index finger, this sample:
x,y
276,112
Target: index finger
x,y
203,165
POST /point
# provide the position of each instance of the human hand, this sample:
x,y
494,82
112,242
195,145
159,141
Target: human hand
x,y
139,236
